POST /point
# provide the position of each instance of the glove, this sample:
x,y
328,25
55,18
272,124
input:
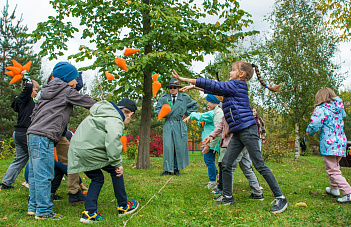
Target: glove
x,y
26,79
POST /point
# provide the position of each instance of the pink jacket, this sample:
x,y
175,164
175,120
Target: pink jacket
x,y
220,128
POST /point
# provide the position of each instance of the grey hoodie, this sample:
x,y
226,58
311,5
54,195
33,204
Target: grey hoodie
x,y
54,108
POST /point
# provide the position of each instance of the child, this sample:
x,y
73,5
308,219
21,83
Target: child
x,y
50,115
23,105
242,124
243,159
96,145
211,119
327,118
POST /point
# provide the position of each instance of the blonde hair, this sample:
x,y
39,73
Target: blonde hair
x,y
248,69
324,95
35,84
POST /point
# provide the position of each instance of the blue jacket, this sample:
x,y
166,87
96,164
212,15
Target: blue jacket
x,y
327,118
236,107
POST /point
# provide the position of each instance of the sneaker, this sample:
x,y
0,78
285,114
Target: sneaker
x,y
280,205
217,191
226,201
4,186
218,198
211,185
31,213
130,208
345,199
25,184
52,216
333,192
165,173
55,197
256,197
77,198
91,218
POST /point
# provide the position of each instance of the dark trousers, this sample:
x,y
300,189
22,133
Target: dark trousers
x,y
60,171
248,138
97,181
220,179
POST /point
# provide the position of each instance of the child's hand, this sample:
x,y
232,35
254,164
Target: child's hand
x,y
119,171
205,150
207,140
186,120
186,88
175,74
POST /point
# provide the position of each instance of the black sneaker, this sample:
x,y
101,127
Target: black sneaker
x,y
52,216
91,218
77,198
256,197
4,186
280,205
130,208
165,173
55,197
226,201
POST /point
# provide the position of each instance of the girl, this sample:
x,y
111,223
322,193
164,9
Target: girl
x,y
327,118
242,124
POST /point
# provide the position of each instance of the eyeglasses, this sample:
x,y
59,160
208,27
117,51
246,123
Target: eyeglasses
x,y
172,87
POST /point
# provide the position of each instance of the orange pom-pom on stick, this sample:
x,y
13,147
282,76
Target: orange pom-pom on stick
x,y
109,76
27,66
155,88
55,155
16,64
121,63
15,70
16,78
155,77
165,109
130,51
124,142
10,73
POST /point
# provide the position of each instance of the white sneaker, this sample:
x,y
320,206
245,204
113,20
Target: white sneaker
x,y
345,199
333,192
211,185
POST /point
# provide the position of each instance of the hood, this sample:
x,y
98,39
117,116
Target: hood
x,y
335,106
104,109
54,87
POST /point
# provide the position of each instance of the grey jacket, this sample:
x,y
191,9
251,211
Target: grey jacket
x,y
54,108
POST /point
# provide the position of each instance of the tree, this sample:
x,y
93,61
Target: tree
x,y
339,12
13,45
345,95
170,34
299,54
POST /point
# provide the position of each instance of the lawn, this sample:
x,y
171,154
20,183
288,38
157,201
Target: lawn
x,y
184,200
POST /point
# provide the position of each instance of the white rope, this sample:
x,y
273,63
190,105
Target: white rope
x,y
147,202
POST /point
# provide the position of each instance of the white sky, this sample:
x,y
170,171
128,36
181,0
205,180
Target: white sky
x,y
35,11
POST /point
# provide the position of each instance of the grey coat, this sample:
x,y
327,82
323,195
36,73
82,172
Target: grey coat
x,y
175,137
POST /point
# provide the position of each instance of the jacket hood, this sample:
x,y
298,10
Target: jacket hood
x,y
54,87
104,109
335,106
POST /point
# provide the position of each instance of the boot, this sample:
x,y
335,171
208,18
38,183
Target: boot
x,y
77,198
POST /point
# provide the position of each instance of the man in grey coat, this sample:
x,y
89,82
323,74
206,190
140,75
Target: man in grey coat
x,y
175,138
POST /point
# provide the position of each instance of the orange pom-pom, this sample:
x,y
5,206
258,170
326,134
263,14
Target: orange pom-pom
x,y
15,70
85,192
121,63
155,77
165,109
16,78
10,73
155,88
55,155
202,123
16,64
124,142
27,66
130,51
109,76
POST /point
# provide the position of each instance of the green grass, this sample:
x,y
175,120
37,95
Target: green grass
x,y
185,201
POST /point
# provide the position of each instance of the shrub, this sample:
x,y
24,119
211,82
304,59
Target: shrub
x,y
132,147
274,151
156,145
7,148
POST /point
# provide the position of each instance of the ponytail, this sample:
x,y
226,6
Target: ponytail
x,y
275,88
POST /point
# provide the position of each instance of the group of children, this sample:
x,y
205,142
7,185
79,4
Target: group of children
x,y
96,145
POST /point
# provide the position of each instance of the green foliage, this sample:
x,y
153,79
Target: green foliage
x,y
274,151
345,95
7,148
132,149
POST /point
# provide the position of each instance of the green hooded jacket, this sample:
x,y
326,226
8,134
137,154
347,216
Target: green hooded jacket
x,y
96,142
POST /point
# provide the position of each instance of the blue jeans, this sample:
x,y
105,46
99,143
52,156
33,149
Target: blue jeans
x,y
41,172
97,181
209,159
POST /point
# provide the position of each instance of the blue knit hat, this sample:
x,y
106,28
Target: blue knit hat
x,y
65,71
212,98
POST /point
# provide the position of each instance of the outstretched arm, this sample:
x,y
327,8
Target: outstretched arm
x,y
182,79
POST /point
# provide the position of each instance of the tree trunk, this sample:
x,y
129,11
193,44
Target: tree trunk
x,y
143,160
297,139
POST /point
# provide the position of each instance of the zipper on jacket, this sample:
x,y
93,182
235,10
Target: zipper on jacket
x,y
231,114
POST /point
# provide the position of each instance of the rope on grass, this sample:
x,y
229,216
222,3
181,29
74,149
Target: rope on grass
x,y
147,202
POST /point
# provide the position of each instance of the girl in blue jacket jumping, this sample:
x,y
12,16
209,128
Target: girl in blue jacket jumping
x,y
242,124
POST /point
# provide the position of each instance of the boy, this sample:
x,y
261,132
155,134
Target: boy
x,y
96,145
50,115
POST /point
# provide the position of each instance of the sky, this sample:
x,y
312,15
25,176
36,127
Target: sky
x,y
39,10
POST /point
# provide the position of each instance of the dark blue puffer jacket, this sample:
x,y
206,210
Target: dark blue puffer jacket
x,y
236,107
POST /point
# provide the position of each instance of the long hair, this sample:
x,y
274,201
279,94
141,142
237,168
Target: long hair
x,y
324,95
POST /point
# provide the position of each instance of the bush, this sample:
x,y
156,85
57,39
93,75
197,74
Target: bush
x,y
132,147
7,148
274,151
156,145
